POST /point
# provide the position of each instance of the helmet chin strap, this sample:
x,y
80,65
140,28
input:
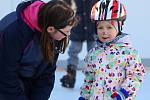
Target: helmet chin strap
x,y
119,27
95,26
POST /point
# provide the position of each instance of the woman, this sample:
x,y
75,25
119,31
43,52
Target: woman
x,y
29,47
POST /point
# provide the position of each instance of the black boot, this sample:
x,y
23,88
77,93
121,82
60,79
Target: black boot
x,y
68,80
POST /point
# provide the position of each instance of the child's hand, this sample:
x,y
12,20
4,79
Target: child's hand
x,y
120,95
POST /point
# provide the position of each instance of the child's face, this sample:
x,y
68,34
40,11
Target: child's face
x,y
106,30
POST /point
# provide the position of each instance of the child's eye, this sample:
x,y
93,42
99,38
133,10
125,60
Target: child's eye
x,y
110,27
99,27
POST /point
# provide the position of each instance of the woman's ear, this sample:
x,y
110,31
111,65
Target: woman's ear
x,y
50,29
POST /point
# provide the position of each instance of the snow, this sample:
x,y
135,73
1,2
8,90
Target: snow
x,y
61,93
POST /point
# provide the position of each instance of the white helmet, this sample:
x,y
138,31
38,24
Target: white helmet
x,y
108,10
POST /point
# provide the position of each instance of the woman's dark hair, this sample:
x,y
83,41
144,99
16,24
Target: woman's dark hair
x,y
55,13
68,2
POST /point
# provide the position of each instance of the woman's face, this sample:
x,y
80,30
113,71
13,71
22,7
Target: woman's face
x,y
106,30
59,34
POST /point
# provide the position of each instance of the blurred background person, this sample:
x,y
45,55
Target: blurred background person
x,y
83,32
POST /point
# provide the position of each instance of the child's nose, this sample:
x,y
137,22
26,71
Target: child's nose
x,y
105,31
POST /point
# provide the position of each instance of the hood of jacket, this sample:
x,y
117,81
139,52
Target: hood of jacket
x,y
28,12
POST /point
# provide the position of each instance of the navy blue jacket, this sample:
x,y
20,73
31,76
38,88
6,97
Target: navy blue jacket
x,y
23,73
85,30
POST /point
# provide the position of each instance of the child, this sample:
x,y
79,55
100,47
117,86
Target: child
x,y
114,70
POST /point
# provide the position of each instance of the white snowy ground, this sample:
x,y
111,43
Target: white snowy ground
x,y
60,93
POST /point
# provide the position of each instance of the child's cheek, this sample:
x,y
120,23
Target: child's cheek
x,y
98,32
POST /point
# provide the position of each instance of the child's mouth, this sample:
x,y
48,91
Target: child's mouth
x,y
105,38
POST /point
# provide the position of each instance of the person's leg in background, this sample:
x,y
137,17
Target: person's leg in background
x,y
74,49
72,64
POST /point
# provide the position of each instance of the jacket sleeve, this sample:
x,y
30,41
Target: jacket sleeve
x,y
88,80
10,53
134,74
44,84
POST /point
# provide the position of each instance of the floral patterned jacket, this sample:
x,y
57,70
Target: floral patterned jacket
x,y
112,68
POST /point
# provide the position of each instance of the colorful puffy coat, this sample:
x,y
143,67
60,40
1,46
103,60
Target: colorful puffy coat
x,y
110,68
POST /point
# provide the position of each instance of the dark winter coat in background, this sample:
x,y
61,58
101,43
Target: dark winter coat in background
x,y
85,30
